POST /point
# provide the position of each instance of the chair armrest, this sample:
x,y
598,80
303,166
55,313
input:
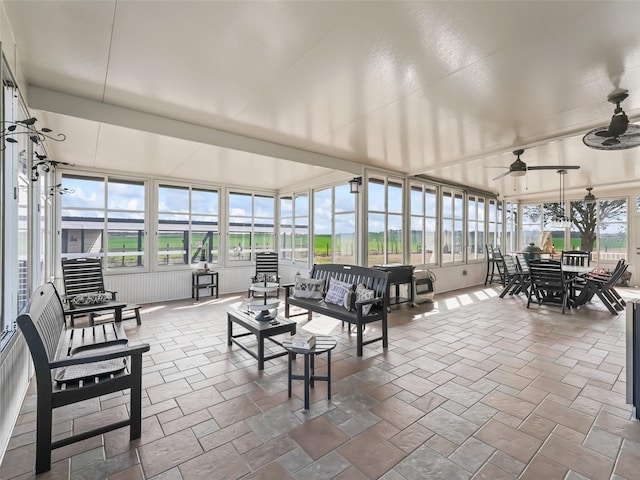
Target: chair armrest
x,y
105,355
112,292
287,287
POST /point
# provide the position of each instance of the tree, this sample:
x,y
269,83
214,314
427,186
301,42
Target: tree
x,y
584,218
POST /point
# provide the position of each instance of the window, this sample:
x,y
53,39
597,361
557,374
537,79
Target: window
x,y
475,228
334,225
495,224
531,224
613,236
452,226
423,208
187,225
385,236
294,228
104,217
251,225
511,227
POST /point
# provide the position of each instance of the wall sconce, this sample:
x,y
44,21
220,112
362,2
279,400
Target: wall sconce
x,y
28,128
45,165
354,184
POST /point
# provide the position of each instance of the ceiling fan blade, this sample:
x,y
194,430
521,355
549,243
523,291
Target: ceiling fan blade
x,y
554,167
604,133
611,141
502,175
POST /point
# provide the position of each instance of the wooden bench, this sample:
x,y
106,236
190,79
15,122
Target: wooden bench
x,y
75,364
372,279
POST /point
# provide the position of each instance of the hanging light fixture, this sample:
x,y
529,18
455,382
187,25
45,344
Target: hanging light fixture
x,y
589,198
27,127
561,221
354,184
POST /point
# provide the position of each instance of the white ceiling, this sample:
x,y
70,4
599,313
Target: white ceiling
x,y
274,94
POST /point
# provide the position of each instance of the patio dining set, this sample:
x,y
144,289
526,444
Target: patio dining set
x,y
569,282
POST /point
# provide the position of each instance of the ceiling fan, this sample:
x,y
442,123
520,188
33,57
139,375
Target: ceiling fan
x,y
519,168
619,134
590,197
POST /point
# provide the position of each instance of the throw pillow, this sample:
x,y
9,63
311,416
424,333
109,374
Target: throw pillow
x,y
308,288
336,291
350,299
363,293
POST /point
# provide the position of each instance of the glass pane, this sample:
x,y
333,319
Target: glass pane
x,y
264,206
172,247
125,247
89,192
376,195
286,207
301,242
322,226
430,202
345,236
205,242
458,241
240,205
417,203
430,241
394,239
395,198
345,200
204,202
302,206
457,204
173,199
375,239
239,245
447,240
417,240
125,195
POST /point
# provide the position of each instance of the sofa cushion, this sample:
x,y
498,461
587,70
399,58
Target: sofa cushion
x,y
336,291
363,293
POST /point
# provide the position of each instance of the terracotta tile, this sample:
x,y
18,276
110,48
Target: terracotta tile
x,y
491,472
414,384
232,411
565,416
629,429
537,426
371,455
577,457
168,452
269,451
270,472
511,441
543,467
318,437
441,445
627,465
397,412
411,437
509,404
555,387
220,463
384,430
351,473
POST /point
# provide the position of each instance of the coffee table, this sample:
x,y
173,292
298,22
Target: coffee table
x,y
263,330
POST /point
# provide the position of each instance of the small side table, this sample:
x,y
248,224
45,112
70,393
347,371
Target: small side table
x,y
204,280
323,344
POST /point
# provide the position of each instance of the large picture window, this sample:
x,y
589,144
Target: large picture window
x,y
423,207
475,228
294,228
452,226
334,225
187,225
104,217
385,235
251,225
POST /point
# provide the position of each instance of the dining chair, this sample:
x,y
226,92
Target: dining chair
x,y
549,284
576,257
514,277
494,265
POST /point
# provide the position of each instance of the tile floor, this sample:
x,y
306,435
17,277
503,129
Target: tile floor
x,y
472,387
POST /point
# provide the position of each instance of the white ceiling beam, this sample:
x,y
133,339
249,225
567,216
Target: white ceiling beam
x,y
79,107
